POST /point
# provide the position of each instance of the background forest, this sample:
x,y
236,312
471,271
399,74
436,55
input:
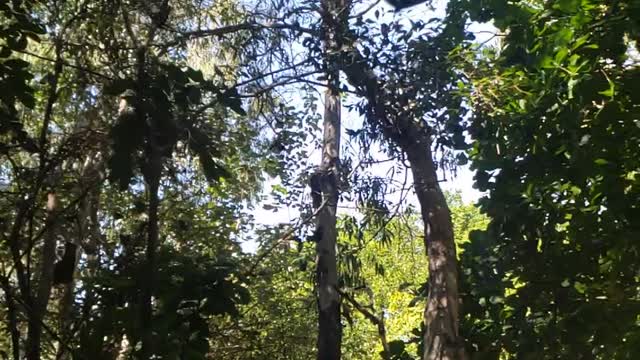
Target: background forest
x,y
239,179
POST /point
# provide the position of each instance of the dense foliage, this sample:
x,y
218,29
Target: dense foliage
x,y
143,144
557,139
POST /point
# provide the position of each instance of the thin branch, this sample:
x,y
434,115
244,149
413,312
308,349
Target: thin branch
x,y
51,99
365,10
65,64
271,73
285,237
361,308
375,320
245,26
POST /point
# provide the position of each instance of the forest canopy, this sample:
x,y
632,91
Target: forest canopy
x,y
291,179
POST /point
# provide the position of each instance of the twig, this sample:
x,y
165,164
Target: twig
x,y
285,237
245,26
365,10
65,64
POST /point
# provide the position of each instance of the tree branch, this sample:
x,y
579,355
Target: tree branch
x,y
253,26
285,237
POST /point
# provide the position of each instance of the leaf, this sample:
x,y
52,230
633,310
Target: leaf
x,y
462,159
523,104
232,100
611,91
16,64
547,63
118,87
561,55
415,301
195,75
580,287
396,347
27,99
212,170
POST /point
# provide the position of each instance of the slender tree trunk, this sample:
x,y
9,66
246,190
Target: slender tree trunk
x,y
149,276
152,175
442,340
12,317
39,304
84,233
93,261
329,318
65,303
329,326
39,309
65,308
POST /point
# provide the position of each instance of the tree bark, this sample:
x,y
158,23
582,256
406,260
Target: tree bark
x,y
152,172
39,303
87,221
12,317
329,326
442,340
39,309
149,276
152,175
329,317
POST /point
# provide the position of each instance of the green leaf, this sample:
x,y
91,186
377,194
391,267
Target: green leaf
x,y
561,55
547,63
580,287
611,91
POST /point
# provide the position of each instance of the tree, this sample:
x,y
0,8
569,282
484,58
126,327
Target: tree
x,y
381,270
57,151
392,111
556,148
325,188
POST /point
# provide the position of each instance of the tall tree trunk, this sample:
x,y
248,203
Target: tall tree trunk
x,y
87,224
442,340
92,249
39,308
149,276
41,300
152,175
329,326
65,309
